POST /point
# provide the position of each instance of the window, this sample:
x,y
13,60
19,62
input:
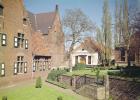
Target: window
x,y
25,21
34,66
26,44
20,42
1,10
2,69
89,59
25,67
15,68
20,39
3,39
76,59
20,64
15,42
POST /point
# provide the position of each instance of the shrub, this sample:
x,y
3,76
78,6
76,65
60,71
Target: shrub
x,y
54,74
4,98
79,66
59,98
38,82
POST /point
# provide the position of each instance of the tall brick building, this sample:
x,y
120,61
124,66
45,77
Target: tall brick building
x,y
49,26
26,52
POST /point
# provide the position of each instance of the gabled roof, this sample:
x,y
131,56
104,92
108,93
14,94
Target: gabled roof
x,y
42,21
45,21
90,45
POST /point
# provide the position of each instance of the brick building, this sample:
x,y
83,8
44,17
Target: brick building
x,y
49,26
134,51
25,52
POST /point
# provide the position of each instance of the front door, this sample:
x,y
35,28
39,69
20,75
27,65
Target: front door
x,y
82,59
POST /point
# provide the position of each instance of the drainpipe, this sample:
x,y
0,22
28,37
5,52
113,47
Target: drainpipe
x,y
32,66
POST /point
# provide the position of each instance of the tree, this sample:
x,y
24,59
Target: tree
x,y
76,23
117,25
128,25
106,28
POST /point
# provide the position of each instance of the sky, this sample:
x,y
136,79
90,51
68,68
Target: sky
x,y
92,8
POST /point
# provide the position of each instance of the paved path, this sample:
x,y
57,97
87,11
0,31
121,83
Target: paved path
x,y
68,91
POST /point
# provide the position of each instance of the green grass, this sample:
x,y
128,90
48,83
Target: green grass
x,y
29,92
83,72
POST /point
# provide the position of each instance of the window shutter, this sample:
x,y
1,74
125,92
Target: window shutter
x,y
3,39
2,69
15,68
26,44
25,67
16,42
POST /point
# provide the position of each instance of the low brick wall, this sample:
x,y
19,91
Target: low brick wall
x,y
67,80
124,89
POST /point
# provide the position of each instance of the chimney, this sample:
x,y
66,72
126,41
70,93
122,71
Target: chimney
x,y
56,8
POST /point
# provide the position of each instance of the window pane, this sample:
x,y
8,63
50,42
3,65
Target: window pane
x,y
89,59
1,10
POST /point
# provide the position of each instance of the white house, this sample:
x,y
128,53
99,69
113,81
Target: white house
x,y
88,52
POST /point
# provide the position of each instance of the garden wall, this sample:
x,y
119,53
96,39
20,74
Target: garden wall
x,y
124,89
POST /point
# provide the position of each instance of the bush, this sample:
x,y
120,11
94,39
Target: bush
x,y
4,98
79,66
38,82
54,74
59,98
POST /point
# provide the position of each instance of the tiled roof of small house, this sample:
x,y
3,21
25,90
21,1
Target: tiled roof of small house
x,y
91,45
39,45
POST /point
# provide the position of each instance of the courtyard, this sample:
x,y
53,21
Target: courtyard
x,y
27,91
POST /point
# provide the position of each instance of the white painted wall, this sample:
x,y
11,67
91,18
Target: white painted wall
x,y
94,57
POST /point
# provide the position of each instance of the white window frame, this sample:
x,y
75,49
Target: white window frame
x,y
15,68
25,67
3,39
26,44
15,42
2,71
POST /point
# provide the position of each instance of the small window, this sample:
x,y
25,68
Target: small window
x,y
15,42
25,67
76,59
1,10
89,59
26,44
3,39
15,68
25,21
34,66
2,71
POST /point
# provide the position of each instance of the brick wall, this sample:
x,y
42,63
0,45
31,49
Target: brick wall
x,y
124,89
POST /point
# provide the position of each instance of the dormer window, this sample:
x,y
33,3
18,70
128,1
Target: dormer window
x,y
25,21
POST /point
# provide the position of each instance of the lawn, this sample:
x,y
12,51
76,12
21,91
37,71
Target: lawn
x,y
86,71
29,92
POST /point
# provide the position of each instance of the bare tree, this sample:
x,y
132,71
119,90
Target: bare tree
x,y
106,29
76,23
128,25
